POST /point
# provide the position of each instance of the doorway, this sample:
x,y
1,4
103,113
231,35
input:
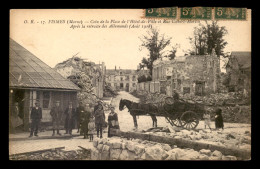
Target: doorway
x,y
121,86
17,96
200,88
127,87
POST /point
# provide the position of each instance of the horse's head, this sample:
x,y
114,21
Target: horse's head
x,y
121,105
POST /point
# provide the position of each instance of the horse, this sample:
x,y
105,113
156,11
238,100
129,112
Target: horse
x,y
137,109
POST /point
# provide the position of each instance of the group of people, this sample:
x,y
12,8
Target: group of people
x,y
85,118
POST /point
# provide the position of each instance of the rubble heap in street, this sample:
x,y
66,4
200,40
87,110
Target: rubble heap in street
x,y
109,92
54,155
122,149
227,139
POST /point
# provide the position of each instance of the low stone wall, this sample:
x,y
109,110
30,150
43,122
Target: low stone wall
x,y
117,148
184,143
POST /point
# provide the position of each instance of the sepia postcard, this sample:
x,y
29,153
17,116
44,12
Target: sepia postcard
x,y
169,83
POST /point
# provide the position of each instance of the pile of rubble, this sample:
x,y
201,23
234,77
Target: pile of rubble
x,y
109,92
54,155
122,149
219,99
237,114
226,139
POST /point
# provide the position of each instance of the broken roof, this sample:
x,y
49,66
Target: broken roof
x,y
28,71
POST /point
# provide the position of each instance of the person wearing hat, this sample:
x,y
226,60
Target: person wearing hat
x,y
56,114
85,115
112,121
99,104
70,114
36,116
99,119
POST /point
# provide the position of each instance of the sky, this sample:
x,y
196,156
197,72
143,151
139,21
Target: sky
x,y
54,43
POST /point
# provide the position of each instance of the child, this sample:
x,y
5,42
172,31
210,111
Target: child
x,y
206,117
91,128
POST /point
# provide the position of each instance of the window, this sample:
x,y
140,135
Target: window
x,y
126,77
46,100
133,84
134,78
35,95
120,73
121,78
121,85
186,90
179,82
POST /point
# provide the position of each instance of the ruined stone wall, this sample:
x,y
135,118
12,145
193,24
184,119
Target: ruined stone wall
x,y
184,74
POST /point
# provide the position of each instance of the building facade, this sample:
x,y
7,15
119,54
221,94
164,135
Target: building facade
x,y
195,75
122,79
30,79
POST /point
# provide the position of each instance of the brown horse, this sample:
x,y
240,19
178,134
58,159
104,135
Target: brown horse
x,y
137,109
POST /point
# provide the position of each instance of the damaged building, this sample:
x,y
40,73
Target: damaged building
x,y
30,79
73,67
195,75
238,70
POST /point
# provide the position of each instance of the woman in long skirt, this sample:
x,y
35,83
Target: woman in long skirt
x,y
219,119
112,121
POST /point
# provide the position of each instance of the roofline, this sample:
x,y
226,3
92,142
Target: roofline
x,y
52,89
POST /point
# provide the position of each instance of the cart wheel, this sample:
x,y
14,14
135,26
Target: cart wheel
x,y
189,120
174,122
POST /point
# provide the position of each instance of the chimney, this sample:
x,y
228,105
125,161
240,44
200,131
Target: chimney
x,y
115,67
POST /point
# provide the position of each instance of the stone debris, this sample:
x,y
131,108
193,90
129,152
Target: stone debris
x,y
227,139
217,155
54,155
147,150
229,158
205,152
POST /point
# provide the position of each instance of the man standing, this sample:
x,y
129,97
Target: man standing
x,y
99,119
77,118
85,115
175,95
69,121
56,114
36,116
